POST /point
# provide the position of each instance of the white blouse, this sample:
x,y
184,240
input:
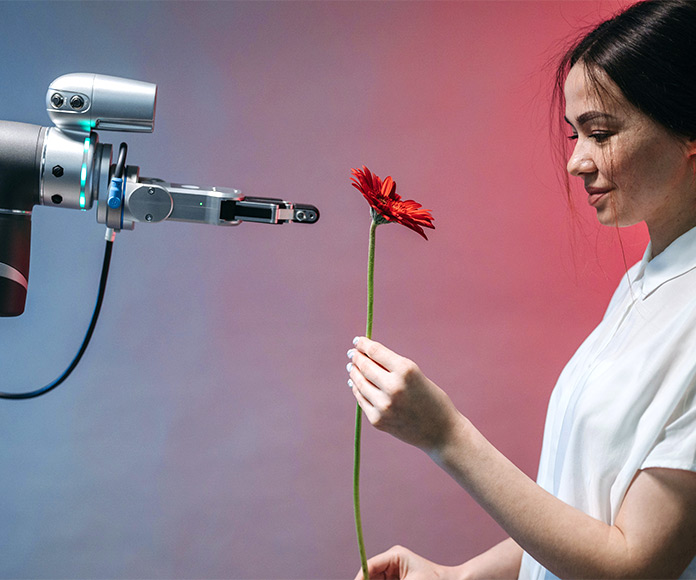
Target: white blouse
x,y
626,400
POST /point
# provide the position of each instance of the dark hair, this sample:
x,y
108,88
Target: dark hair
x,y
649,52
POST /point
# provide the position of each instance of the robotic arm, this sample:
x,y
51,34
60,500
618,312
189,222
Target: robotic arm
x,y
66,166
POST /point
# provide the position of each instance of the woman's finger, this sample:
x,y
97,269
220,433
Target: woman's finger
x,y
371,394
382,566
373,372
370,412
368,408
379,353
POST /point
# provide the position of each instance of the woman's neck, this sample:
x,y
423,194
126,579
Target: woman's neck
x,y
663,235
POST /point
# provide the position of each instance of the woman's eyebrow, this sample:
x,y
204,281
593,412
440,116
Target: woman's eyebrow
x,y
592,116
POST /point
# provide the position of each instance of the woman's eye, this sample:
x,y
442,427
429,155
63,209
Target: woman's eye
x,y
600,136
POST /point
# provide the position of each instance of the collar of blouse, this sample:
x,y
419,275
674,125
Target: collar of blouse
x,y
677,259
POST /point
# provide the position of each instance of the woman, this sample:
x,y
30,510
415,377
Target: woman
x,y
616,490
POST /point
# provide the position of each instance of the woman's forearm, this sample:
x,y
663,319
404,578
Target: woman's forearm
x,y
501,562
563,539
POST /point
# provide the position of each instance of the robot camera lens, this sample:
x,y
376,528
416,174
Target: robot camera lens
x,y
77,102
57,100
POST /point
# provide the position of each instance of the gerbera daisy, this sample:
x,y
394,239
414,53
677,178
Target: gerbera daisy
x,y
386,205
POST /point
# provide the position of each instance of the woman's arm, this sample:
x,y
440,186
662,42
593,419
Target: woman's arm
x,y
654,535
655,531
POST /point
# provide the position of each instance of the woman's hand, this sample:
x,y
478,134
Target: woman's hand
x,y
398,563
398,398
501,562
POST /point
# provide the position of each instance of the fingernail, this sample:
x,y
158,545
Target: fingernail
x,y
355,341
350,383
350,353
349,366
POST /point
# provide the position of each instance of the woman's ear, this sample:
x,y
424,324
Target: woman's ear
x,y
691,154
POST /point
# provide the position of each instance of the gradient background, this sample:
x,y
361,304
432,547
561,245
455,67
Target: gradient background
x,y
208,431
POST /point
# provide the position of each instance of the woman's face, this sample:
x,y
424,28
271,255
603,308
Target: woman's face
x,y
633,169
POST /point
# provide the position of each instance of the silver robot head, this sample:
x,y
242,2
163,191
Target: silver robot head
x,y
91,102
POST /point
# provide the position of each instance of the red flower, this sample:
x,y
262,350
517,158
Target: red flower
x,y
387,205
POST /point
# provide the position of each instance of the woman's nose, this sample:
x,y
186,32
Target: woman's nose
x,y
580,163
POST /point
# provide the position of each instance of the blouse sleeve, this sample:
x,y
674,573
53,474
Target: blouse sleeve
x,y
675,446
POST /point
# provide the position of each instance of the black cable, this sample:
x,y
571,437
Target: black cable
x,y
85,342
121,162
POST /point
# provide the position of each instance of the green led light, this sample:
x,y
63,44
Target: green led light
x,y
83,175
201,203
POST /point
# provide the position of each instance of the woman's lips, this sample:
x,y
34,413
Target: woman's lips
x,y
596,194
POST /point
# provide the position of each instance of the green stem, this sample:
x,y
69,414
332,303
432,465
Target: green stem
x,y
358,411
371,280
